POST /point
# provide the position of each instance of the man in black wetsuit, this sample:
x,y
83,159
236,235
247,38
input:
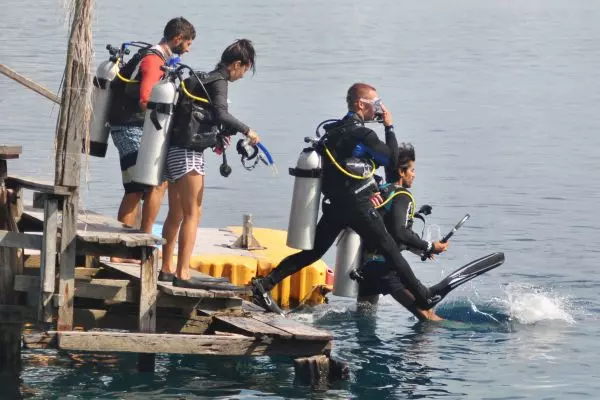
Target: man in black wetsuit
x,y
348,201
379,275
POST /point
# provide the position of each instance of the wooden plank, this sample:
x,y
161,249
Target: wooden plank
x,y
186,344
18,240
67,263
118,290
39,340
298,330
148,292
40,185
9,152
36,87
96,228
48,260
167,287
120,319
249,327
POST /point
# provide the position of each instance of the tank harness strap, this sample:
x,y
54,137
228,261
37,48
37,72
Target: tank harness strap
x,y
374,257
101,83
145,52
163,108
206,81
398,193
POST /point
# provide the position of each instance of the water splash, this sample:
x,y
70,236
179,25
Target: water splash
x,y
528,304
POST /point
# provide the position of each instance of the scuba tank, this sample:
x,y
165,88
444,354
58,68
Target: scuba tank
x,y
101,96
149,167
305,199
347,260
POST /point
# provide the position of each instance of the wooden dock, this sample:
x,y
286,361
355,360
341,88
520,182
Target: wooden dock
x,y
122,307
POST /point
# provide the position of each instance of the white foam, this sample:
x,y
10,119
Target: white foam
x,y
528,304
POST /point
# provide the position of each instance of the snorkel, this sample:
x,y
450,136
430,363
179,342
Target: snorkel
x,y
251,155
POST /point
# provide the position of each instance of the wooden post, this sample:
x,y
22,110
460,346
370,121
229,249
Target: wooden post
x,y
73,122
48,260
148,295
11,264
319,370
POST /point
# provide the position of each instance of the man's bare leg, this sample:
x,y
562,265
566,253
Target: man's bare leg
x,y
152,203
127,215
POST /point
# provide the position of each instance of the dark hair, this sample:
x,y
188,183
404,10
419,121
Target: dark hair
x,y
357,91
179,26
406,154
241,50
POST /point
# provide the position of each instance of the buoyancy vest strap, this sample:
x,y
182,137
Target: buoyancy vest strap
x,y
135,71
398,193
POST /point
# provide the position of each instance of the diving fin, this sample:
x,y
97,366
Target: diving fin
x,y
465,274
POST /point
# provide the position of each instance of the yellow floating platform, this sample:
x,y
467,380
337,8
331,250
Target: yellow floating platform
x,y
215,258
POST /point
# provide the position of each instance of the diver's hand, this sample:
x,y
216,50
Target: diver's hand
x,y
253,136
376,199
387,116
439,247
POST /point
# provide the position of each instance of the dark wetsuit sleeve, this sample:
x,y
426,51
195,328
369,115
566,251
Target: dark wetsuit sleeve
x,y
399,230
391,172
219,99
380,152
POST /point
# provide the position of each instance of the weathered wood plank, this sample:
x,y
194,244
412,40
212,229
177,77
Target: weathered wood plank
x,y
18,240
165,322
298,330
67,263
48,260
148,292
36,87
10,152
40,185
249,327
186,344
97,228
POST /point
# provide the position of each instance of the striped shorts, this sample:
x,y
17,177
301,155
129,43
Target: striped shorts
x,y
127,141
182,161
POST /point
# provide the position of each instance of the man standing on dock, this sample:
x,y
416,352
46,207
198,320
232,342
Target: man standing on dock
x,y
126,117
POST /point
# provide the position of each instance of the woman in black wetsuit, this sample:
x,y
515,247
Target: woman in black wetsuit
x,y
378,276
185,161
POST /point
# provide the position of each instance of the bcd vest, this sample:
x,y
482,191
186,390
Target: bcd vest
x,y
125,91
195,125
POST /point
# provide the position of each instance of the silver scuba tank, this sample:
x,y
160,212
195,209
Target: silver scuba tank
x,y
347,258
305,200
149,167
99,129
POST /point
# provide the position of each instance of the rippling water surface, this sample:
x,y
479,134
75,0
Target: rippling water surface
x,y
501,102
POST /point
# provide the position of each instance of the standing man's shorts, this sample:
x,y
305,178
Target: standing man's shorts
x,y
127,140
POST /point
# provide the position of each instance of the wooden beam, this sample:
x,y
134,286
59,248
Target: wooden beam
x,y
14,181
48,260
18,240
36,87
148,294
233,345
66,290
11,264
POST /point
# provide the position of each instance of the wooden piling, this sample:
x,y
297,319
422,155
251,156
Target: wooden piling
x,y
11,264
73,121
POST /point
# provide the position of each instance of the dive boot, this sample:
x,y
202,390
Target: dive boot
x,y
262,298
